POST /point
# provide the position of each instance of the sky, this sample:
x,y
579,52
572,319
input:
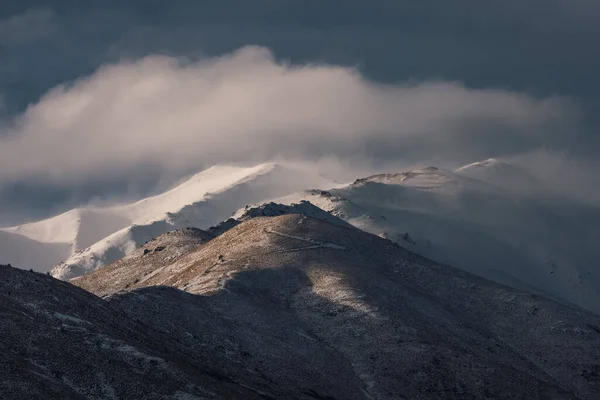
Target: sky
x,y
110,100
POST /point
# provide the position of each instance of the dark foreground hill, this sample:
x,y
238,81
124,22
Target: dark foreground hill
x,y
293,307
60,342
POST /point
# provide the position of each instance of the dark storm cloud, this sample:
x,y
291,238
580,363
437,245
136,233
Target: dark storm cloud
x,y
26,27
542,46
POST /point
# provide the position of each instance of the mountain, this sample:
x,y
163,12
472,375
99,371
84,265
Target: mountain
x,y
530,241
60,342
284,303
502,174
89,238
428,178
477,218
273,210
22,251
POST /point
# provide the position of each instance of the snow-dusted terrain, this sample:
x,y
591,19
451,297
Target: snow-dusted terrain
x,y
303,308
473,219
502,174
287,307
89,238
490,218
289,301
60,342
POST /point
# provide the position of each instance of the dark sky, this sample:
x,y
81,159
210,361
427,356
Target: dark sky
x,y
539,48
546,47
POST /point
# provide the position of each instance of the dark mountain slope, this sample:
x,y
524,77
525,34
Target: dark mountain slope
x,y
58,341
300,308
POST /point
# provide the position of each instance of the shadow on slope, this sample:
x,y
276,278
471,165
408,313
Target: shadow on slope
x,y
271,290
539,244
58,341
23,252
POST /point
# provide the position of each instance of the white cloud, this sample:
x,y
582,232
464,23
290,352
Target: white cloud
x,y
176,115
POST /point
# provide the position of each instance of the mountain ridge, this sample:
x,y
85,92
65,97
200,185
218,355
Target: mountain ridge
x,y
530,242
89,238
526,240
376,304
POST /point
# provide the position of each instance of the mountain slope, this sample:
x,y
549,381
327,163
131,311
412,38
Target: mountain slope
x,y
273,210
531,242
24,252
60,342
281,302
79,227
476,218
99,236
501,174
428,178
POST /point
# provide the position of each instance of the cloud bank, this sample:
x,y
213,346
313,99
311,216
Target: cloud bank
x,y
174,115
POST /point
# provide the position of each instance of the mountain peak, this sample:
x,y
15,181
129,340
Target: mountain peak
x,y
425,178
500,174
489,163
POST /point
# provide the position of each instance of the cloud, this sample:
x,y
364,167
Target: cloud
x,y
534,47
174,115
25,27
563,174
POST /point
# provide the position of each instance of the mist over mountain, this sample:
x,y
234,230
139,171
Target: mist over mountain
x,y
93,237
490,218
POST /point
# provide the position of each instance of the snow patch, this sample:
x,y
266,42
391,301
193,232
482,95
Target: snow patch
x,y
69,318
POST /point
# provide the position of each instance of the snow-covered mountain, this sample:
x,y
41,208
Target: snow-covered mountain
x,y
267,303
531,241
475,218
88,238
502,174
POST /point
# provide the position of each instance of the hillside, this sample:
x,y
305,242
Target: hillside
x,y
280,301
60,342
489,218
23,252
530,241
89,238
501,174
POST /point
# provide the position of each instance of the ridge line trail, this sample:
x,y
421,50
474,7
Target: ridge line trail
x,y
317,244
220,281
